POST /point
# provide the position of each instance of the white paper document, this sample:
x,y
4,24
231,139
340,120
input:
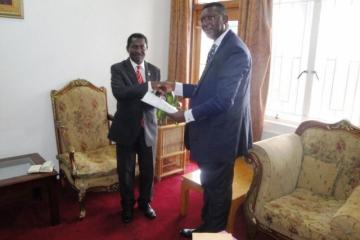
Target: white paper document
x,y
212,236
158,102
45,167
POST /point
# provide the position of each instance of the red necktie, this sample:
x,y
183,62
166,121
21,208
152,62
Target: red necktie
x,y
138,75
140,81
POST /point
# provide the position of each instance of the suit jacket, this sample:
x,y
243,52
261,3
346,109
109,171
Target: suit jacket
x,y
130,109
220,104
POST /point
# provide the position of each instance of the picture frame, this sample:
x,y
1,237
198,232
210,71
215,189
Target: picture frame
x,y
11,8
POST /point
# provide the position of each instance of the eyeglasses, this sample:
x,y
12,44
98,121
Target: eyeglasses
x,y
209,18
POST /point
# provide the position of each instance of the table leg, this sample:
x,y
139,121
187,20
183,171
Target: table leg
x,y
54,202
184,199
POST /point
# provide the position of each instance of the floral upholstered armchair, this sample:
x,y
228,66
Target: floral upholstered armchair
x,y
307,184
86,157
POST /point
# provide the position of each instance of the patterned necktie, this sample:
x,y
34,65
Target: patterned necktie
x,y
211,54
138,75
140,81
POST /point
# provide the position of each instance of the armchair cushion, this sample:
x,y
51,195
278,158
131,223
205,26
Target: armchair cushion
x,y
302,213
317,176
281,158
92,163
324,203
346,223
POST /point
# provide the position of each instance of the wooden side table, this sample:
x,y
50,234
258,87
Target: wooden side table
x,y
170,155
243,174
14,179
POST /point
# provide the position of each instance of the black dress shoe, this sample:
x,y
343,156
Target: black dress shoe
x,y
127,215
187,232
148,211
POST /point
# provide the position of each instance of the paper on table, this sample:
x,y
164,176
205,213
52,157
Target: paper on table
x,y
212,236
159,103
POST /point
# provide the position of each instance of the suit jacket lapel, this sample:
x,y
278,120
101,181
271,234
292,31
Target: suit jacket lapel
x,y
131,72
147,72
217,53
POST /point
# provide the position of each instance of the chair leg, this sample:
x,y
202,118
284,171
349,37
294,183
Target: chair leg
x,y
81,196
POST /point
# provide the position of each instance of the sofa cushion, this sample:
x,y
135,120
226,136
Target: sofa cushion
x,y
302,214
317,176
345,225
340,147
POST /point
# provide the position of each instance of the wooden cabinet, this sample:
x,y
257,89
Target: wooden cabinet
x,y
170,155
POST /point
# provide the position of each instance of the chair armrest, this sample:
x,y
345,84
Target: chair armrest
x,y
277,164
345,224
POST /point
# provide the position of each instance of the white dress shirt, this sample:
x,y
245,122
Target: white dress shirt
x,y
142,71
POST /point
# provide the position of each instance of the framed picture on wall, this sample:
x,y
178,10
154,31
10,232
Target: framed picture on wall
x,y
11,8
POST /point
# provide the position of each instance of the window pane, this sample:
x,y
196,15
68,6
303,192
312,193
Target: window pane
x,y
290,47
206,44
336,95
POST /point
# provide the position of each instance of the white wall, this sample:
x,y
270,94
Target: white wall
x,y
61,40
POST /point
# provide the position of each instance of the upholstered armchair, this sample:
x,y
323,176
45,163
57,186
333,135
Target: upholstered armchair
x,y
87,159
307,183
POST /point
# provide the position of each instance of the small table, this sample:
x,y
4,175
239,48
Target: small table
x,y
170,154
243,174
14,179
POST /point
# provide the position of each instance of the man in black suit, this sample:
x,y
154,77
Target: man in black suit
x,y
218,121
134,128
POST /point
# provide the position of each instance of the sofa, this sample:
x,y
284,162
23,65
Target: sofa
x,y
306,184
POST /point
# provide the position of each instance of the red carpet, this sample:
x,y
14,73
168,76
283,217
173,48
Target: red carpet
x,y
31,221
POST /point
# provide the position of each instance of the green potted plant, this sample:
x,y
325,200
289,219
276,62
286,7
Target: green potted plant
x,y
163,119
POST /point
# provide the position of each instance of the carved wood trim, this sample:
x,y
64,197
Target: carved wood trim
x,y
341,125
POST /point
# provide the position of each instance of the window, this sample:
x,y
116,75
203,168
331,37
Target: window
x,y
315,68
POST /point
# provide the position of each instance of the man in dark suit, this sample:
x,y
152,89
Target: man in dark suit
x,y
134,128
218,128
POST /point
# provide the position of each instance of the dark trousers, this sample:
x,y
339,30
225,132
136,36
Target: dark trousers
x,y
216,181
126,161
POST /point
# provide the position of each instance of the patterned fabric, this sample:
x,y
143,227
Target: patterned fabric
x,y
336,147
138,74
346,223
303,214
97,162
82,116
324,202
317,176
281,160
211,53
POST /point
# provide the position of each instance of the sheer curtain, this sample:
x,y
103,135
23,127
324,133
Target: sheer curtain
x,y
255,29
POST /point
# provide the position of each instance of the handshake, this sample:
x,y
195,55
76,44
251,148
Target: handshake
x,y
161,88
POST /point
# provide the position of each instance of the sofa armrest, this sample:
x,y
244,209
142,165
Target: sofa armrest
x,y
277,163
345,224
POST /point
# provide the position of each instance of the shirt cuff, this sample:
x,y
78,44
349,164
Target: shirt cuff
x,y
178,91
149,87
188,116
